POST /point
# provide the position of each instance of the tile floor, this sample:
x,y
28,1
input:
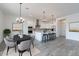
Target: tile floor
x,y
58,47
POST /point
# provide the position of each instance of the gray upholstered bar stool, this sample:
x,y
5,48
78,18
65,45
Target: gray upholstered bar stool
x,y
45,37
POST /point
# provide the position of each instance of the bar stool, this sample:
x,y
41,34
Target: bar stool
x,y
44,37
51,36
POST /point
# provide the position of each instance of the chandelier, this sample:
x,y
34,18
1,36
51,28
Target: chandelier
x,y
48,18
20,19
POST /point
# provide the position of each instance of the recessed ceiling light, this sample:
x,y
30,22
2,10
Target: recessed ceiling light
x,y
26,8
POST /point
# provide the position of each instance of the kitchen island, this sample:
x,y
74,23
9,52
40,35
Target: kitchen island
x,y
40,36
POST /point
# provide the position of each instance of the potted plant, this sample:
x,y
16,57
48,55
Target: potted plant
x,y
6,32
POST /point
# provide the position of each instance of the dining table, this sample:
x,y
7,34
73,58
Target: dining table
x,y
19,39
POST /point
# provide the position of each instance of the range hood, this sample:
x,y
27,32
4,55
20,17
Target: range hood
x,y
37,24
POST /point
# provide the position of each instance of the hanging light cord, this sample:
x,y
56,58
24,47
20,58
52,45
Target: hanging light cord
x,y
44,15
20,9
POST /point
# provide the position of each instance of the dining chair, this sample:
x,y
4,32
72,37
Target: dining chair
x,y
24,46
10,44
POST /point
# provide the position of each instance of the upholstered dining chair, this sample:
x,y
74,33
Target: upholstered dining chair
x,y
24,46
9,44
30,37
33,38
16,38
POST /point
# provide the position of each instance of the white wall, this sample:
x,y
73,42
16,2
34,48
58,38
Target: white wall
x,y
71,35
1,26
10,19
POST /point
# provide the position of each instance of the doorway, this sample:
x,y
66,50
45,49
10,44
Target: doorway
x,y
62,27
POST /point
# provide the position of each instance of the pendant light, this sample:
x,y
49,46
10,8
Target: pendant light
x,y
44,19
20,19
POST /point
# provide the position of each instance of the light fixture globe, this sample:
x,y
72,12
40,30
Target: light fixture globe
x,y
21,20
17,20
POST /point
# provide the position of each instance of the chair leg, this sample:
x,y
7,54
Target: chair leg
x,y
21,53
33,44
15,48
7,50
30,52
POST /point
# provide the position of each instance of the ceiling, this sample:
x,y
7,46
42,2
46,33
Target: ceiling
x,y
36,9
